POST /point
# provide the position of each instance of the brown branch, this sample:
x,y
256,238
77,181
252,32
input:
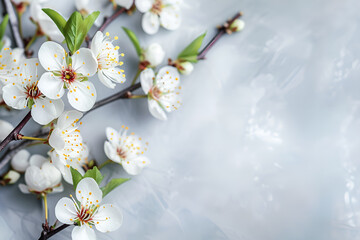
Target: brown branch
x,y
14,25
221,31
108,20
48,234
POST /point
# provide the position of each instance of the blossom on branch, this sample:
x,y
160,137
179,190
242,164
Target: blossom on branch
x,y
154,54
41,177
87,212
10,60
107,56
159,12
25,93
163,90
70,72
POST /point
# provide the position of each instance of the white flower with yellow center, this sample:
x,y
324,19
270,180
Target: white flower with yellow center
x,y
75,162
65,137
71,72
41,176
87,212
164,12
10,60
125,150
25,93
107,56
163,90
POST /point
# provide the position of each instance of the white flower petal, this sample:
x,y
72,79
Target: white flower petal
x,y
5,129
84,62
65,211
155,54
52,56
83,232
82,95
37,160
52,174
56,140
150,23
45,110
124,3
111,153
147,78
112,135
157,111
68,118
88,192
170,18
81,4
20,160
108,218
14,96
144,5
51,86
111,75
135,166
36,180
23,188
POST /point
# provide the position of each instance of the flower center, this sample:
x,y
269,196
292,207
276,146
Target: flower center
x,y
68,75
155,93
85,215
32,91
157,7
121,153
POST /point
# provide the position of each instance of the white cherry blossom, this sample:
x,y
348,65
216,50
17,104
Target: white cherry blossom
x,y
154,54
162,90
25,93
41,176
5,129
60,72
159,12
47,26
87,213
107,56
125,150
65,137
10,60
75,162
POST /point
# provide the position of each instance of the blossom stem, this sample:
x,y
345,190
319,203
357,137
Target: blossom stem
x,y
109,20
20,24
104,164
31,42
13,23
45,208
219,34
49,234
15,132
32,138
136,77
138,96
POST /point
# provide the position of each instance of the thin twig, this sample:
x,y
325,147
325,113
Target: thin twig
x,y
108,20
46,235
14,25
221,31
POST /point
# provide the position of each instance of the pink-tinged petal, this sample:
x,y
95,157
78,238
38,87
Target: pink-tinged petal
x,y
14,96
83,232
147,78
68,118
65,211
20,161
88,192
156,110
150,23
170,18
84,62
108,218
51,86
45,110
144,5
82,95
52,56
111,153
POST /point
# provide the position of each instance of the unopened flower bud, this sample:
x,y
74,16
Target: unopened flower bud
x,y
187,68
20,161
12,176
237,26
154,54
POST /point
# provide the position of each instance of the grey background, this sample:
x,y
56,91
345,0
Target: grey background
x,y
265,145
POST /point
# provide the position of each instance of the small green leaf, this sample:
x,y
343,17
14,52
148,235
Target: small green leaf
x,y
76,177
192,50
57,18
72,30
3,29
95,174
90,19
115,182
134,40
192,59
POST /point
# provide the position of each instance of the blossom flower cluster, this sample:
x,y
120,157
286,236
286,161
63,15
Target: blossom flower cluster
x,y
39,85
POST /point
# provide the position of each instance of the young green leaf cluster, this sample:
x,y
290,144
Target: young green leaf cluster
x,y
190,53
3,29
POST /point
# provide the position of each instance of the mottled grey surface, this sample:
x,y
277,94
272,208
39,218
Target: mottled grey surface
x,y
265,146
